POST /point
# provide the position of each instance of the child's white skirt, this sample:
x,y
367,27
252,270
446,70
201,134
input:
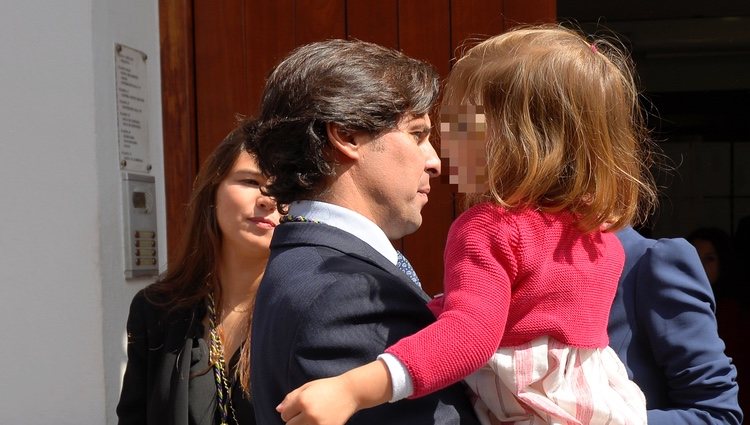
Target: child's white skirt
x,y
547,382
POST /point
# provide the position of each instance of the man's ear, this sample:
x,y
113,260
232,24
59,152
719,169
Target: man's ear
x,y
343,140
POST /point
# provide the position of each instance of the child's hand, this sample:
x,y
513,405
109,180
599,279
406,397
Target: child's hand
x,y
332,401
326,401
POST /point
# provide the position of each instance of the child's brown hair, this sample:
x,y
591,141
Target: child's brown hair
x,y
565,130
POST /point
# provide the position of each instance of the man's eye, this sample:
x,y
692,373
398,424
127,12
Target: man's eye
x,y
420,135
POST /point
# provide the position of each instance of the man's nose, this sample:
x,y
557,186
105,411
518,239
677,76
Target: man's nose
x,y
432,160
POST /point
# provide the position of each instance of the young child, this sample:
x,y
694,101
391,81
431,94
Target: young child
x,y
543,128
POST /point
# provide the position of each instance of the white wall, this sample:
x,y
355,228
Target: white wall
x,y
63,295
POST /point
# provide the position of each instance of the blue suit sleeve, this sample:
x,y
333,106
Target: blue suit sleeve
x,y
676,309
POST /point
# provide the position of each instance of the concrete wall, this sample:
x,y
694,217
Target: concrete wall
x,y
63,292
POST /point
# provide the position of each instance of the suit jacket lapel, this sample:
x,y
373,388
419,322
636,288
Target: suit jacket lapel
x,y
296,234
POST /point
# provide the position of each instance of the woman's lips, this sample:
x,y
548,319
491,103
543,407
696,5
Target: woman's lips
x,y
263,223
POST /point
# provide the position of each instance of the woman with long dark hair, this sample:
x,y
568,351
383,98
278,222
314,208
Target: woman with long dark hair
x,y
189,332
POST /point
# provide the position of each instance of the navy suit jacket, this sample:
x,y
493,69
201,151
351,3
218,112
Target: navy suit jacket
x,y
329,302
663,327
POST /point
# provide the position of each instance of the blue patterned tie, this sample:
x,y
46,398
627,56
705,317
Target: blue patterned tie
x,y
404,265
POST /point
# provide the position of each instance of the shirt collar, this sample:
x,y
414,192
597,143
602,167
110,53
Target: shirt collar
x,y
347,220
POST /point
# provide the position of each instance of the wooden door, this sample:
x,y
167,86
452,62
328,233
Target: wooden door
x,y
216,55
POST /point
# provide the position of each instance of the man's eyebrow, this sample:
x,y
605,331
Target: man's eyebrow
x,y
416,124
420,127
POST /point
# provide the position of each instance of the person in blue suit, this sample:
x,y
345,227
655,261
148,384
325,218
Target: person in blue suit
x,y
344,136
663,327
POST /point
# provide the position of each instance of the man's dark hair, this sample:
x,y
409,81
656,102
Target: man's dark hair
x,y
360,86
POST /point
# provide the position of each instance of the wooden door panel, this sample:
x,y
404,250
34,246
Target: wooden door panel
x,y
475,21
375,21
317,20
518,12
424,32
269,33
216,69
178,112
220,84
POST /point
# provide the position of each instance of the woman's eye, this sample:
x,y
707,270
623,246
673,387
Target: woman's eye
x,y
251,182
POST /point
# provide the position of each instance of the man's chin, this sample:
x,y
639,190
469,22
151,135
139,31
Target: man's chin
x,y
405,228
413,225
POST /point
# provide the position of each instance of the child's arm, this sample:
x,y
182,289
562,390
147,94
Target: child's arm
x,y
464,337
480,264
332,401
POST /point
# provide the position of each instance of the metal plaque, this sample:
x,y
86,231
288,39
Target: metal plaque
x,y
132,109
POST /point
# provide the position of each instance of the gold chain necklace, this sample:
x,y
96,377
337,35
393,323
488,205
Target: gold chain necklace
x,y
216,357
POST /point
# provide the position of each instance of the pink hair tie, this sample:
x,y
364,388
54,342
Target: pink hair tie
x,y
593,47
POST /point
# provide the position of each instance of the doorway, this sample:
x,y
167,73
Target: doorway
x,y
215,57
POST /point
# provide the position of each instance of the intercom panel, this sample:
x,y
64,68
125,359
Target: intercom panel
x,y
141,247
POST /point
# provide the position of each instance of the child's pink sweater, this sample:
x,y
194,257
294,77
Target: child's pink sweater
x,y
510,277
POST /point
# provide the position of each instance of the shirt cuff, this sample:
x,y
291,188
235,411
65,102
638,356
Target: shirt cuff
x,y
401,380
